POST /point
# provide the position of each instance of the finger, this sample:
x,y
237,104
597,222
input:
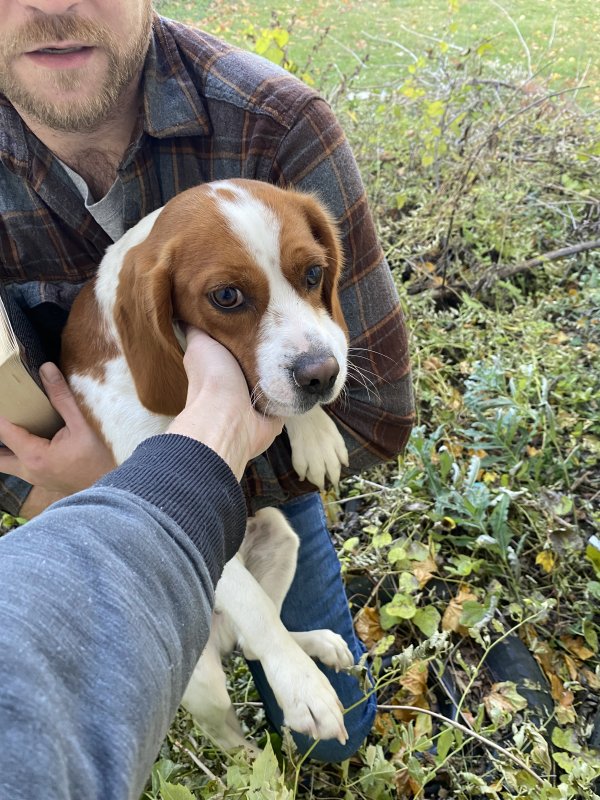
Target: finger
x,y
19,440
10,464
60,395
195,336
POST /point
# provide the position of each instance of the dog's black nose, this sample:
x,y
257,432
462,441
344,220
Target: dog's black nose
x,y
316,374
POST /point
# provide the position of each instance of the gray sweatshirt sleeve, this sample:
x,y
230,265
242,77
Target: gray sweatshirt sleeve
x,y
105,604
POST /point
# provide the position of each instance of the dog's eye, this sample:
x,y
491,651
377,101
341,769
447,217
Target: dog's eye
x,y
313,276
227,297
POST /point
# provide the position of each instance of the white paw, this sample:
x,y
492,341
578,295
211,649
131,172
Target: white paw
x,y
318,448
328,647
307,699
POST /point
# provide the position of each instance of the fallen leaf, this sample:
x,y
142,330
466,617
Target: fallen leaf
x,y
546,559
503,701
414,679
424,570
454,610
367,627
577,646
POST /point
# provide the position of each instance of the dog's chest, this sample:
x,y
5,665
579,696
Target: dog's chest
x,y
114,402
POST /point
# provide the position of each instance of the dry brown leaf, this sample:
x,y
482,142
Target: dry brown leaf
x,y
502,700
414,679
452,614
577,646
432,364
424,570
571,665
591,678
367,627
562,696
384,724
406,786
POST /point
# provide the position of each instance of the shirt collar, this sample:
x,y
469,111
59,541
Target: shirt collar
x,y
173,105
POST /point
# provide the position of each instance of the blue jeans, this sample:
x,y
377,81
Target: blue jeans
x,y
317,600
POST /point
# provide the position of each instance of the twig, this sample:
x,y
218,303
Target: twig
x,y
199,764
468,732
554,255
519,34
395,44
431,38
348,50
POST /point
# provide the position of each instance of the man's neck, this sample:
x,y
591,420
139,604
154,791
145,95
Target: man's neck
x,y
96,154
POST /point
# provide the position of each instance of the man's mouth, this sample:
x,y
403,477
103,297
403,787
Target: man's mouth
x,y
61,56
60,50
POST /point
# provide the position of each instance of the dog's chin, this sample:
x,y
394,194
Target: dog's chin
x,y
295,407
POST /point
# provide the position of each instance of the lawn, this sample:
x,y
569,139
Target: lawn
x,y
556,39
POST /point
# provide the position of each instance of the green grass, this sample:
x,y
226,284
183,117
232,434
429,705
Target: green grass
x,y
557,38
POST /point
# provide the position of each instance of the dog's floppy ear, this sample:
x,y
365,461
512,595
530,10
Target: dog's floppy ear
x,y
144,319
325,231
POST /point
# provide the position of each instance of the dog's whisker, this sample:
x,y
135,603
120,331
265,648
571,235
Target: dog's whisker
x,y
354,370
371,351
364,380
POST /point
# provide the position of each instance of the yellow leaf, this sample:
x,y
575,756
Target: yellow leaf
x,y
546,559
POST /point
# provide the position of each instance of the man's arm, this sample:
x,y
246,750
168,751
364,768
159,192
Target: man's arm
x,y
105,606
105,598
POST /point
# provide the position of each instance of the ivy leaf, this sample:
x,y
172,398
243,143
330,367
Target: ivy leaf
x,y
402,606
566,740
427,620
472,613
174,791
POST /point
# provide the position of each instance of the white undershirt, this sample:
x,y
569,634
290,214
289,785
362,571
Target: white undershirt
x,y
108,211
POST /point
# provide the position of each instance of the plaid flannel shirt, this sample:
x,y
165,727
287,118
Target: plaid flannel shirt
x,y
212,111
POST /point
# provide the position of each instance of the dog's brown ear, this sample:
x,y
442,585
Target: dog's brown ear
x,y
144,319
325,231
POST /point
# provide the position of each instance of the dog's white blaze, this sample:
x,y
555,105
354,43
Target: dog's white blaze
x,y
253,223
124,420
110,268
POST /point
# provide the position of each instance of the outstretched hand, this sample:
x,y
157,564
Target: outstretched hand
x,y
218,410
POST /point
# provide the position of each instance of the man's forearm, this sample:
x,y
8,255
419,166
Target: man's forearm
x,y
119,591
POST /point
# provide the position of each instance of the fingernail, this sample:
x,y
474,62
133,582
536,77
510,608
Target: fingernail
x,y
50,372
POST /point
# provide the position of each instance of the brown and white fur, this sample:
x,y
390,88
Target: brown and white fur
x,y
257,267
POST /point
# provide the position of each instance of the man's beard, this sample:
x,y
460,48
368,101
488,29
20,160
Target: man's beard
x,y
83,114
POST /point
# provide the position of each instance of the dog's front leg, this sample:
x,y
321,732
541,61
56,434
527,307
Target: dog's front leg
x,y
318,448
307,699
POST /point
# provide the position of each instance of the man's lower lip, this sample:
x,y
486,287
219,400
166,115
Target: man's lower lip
x,y
57,60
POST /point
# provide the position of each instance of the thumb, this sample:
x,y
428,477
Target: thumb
x,y
59,393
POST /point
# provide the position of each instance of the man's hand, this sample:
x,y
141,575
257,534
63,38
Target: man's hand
x,y
218,410
72,460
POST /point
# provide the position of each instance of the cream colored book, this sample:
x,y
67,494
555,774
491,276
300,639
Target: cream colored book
x,y
22,401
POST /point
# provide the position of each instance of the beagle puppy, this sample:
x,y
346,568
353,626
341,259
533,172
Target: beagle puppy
x,y
257,267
